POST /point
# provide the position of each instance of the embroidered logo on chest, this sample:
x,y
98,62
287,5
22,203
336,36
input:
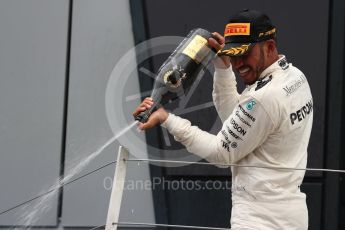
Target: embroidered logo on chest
x,y
262,82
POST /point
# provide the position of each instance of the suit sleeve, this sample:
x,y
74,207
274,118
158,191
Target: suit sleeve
x,y
225,95
247,127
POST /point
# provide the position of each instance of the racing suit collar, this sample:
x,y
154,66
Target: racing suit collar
x,y
275,66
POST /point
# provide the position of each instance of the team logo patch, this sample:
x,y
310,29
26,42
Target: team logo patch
x,y
262,82
250,105
234,29
283,64
234,145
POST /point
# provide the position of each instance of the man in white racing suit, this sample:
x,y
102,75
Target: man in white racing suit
x,y
267,125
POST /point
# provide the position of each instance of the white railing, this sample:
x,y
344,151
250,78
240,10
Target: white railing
x,y
117,190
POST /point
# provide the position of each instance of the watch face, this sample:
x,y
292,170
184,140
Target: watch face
x,y
123,96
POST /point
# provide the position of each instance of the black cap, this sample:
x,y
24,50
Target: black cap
x,y
244,30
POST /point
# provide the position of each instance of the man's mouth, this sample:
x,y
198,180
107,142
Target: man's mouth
x,y
243,71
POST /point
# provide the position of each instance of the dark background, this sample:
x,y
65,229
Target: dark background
x,y
311,35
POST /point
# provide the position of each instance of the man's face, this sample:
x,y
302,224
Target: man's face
x,y
250,66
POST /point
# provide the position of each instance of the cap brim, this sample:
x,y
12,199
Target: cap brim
x,y
235,49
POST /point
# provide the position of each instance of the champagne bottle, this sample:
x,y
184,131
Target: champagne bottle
x,y
179,71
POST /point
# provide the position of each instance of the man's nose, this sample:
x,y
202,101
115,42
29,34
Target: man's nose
x,y
236,62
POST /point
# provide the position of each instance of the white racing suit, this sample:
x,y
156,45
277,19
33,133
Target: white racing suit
x,y
269,124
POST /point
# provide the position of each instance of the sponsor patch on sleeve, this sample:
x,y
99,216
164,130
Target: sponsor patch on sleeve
x,y
243,119
238,125
302,113
245,111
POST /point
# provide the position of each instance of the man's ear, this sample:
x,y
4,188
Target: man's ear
x,y
271,46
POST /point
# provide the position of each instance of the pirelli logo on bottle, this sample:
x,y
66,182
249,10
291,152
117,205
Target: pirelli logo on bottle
x,y
197,49
233,29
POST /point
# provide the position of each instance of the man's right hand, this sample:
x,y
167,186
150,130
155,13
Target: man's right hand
x,y
217,42
156,118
